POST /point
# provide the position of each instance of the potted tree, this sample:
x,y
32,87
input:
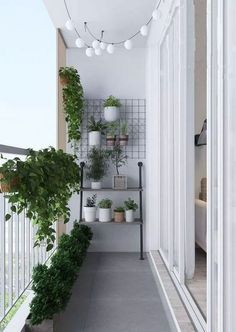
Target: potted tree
x,y
105,210
95,129
90,209
119,214
111,133
124,137
130,207
118,158
111,109
97,166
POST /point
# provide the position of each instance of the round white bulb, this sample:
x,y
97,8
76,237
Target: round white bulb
x,y
98,51
144,30
79,43
95,43
102,46
155,15
110,48
89,51
69,25
128,44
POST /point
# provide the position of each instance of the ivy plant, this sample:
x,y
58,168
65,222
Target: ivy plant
x,y
42,186
73,101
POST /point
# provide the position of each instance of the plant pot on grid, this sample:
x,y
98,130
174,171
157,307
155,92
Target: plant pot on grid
x,y
94,138
96,185
45,326
104,215
119,182
123,140
129,215
111,140
6,187
119,216
90,213
111,113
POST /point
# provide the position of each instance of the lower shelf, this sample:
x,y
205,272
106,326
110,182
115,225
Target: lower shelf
x,y
97,222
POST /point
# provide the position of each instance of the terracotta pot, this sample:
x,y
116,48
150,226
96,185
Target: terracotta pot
x,y
119,216
123,139
110,140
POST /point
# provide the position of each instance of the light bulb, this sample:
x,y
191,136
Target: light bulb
x,y
69,25
110,48
79,43
89,51
144,30
98,51
102,46
95,43
155,14
128,44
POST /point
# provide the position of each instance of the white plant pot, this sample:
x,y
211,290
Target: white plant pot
x,y
90,213
129,215
104,215
111,113
96,185
94,138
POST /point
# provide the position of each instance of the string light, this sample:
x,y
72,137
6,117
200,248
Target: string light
x,y
79,43
144,30
102,45
95,43
110,48
89,52
98,51
155,15
128,44
69,25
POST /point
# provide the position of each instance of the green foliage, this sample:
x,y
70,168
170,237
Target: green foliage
x,y
130,204
118,157
96,125
112,101
124,128
52,285
73,101
44,185
97,164
112,128
119,209
105,203
91,201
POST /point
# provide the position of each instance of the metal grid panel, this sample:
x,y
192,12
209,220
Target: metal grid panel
x,y
133,111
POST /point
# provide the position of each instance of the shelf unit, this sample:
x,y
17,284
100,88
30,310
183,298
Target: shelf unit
x,y
139,189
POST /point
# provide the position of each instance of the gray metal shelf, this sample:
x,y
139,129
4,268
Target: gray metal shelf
x,y
111,189
112,222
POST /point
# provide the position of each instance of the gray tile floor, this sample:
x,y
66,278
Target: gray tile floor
x,y
115,292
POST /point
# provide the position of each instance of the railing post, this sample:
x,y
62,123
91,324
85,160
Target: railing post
x,y
140,165
82,164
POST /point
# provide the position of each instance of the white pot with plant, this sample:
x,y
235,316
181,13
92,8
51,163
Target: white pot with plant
x,y
124,137
118,159
119,214
130,208
104,211
90,209
111,109
95,129
111,133
97,166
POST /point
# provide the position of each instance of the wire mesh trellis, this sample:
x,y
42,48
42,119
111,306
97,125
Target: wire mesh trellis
x,y
132,111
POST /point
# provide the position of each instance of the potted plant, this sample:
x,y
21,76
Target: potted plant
x,y
118,158
111,109
46,180
95,128
130,207
97,166
119,214
90,209
124,137
73,101
111,133
105,210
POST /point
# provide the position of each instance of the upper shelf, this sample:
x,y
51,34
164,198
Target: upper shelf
x,y
111,189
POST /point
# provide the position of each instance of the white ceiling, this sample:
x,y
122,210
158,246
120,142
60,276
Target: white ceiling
x,y
118,18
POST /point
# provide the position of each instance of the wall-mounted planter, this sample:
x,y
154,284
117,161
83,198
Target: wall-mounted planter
x,y
45,326
110,140
123,140
94,138
119,216
104,215
90,213
96,185
111,113
119,182
129,215
7,187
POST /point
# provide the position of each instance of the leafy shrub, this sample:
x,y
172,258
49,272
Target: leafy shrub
x,y
119,209
97,164
91,201
130,204
112,101
105,203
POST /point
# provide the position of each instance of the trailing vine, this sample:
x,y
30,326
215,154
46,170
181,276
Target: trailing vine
x,y
73,101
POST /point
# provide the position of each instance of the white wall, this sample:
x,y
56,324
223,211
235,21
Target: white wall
x,y
123,75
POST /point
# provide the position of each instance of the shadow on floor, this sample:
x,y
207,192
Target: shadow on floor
x,y
115,292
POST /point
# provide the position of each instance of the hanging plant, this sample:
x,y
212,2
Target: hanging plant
x,y
73,101
45,183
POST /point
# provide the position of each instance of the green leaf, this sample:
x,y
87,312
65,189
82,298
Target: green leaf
x,y
49,247
13,208
7,216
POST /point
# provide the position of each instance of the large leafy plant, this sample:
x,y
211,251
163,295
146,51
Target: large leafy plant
x,y
52,285
42,185
111,101
73,101
97,164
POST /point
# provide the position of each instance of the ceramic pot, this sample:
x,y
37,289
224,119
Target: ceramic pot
x,y
94,138
119,216
111,113
129,215
123,140
90,213
104,215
